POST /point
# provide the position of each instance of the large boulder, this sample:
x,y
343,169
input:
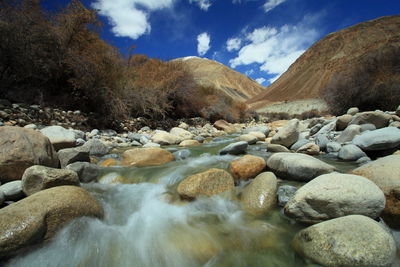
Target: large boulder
x,y
288,135
208,183
225,126
343,121
353,240
21,148
351,153
12,191
380,139
260,195
96,147
385,173
352,111
86,171
59,136
377,118
37,178
73,154
247,167
276,148
309,149
164,138
335,195
181,134
298,167
142,157
236,148
39,216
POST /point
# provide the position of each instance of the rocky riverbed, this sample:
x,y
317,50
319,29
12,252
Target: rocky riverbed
x,y
285,193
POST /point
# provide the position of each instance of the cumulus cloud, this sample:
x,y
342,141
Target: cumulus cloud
x,y
203,4
275,49
260,80
271,4
130,18
203,43
233,44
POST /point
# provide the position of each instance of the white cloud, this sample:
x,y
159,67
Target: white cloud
x,y
129,18
233,44
203,4
271,4
275,49
260,80
249,72
203,43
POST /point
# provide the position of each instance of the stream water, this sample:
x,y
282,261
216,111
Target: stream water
x,y
146,224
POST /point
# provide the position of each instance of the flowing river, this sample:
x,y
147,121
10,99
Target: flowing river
x,y
146,224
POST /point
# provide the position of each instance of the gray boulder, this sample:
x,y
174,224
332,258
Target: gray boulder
x,y
352,111
288,135
354,240
335,195
299,143
321,140
367,127
276,148
96,148
285,193
234,148
12,191
249,138
182,154
343,121
331,126
38,178
298,167
349,133
377,118
333,147
59,136
71,155
351,153
87,172
380,139
363,160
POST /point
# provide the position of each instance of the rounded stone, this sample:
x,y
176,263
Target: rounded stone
x,y
142,157
247,167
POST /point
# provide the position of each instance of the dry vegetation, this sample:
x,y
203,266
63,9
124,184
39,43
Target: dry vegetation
x,y
60,60
373,83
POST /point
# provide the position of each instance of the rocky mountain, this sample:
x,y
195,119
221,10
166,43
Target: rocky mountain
x,y
372,43
211,73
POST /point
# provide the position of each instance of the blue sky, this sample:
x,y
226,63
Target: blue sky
x,y
259,38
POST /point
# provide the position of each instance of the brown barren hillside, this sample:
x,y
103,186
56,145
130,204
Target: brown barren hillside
x,y
339,52
208,72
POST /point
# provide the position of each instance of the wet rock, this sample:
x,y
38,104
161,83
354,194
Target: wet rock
x,y
151,145
12,191
276,148
343,121
385,173
321,140
38,178
182,154
351,153
349,133
333,147
363,160
73,154
329,127
60,137
208,183
199,139
164,138
225,126
334,195
309,149
41,215
342,242
285,193
260,195
87,172
236,148
96,148
379,119
187,143
181,134
380,139
299,143
142,157
288,135
260,136
298,167
247,167
21,148
249,138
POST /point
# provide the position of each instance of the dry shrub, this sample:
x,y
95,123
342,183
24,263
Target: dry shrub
x,y
371,83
